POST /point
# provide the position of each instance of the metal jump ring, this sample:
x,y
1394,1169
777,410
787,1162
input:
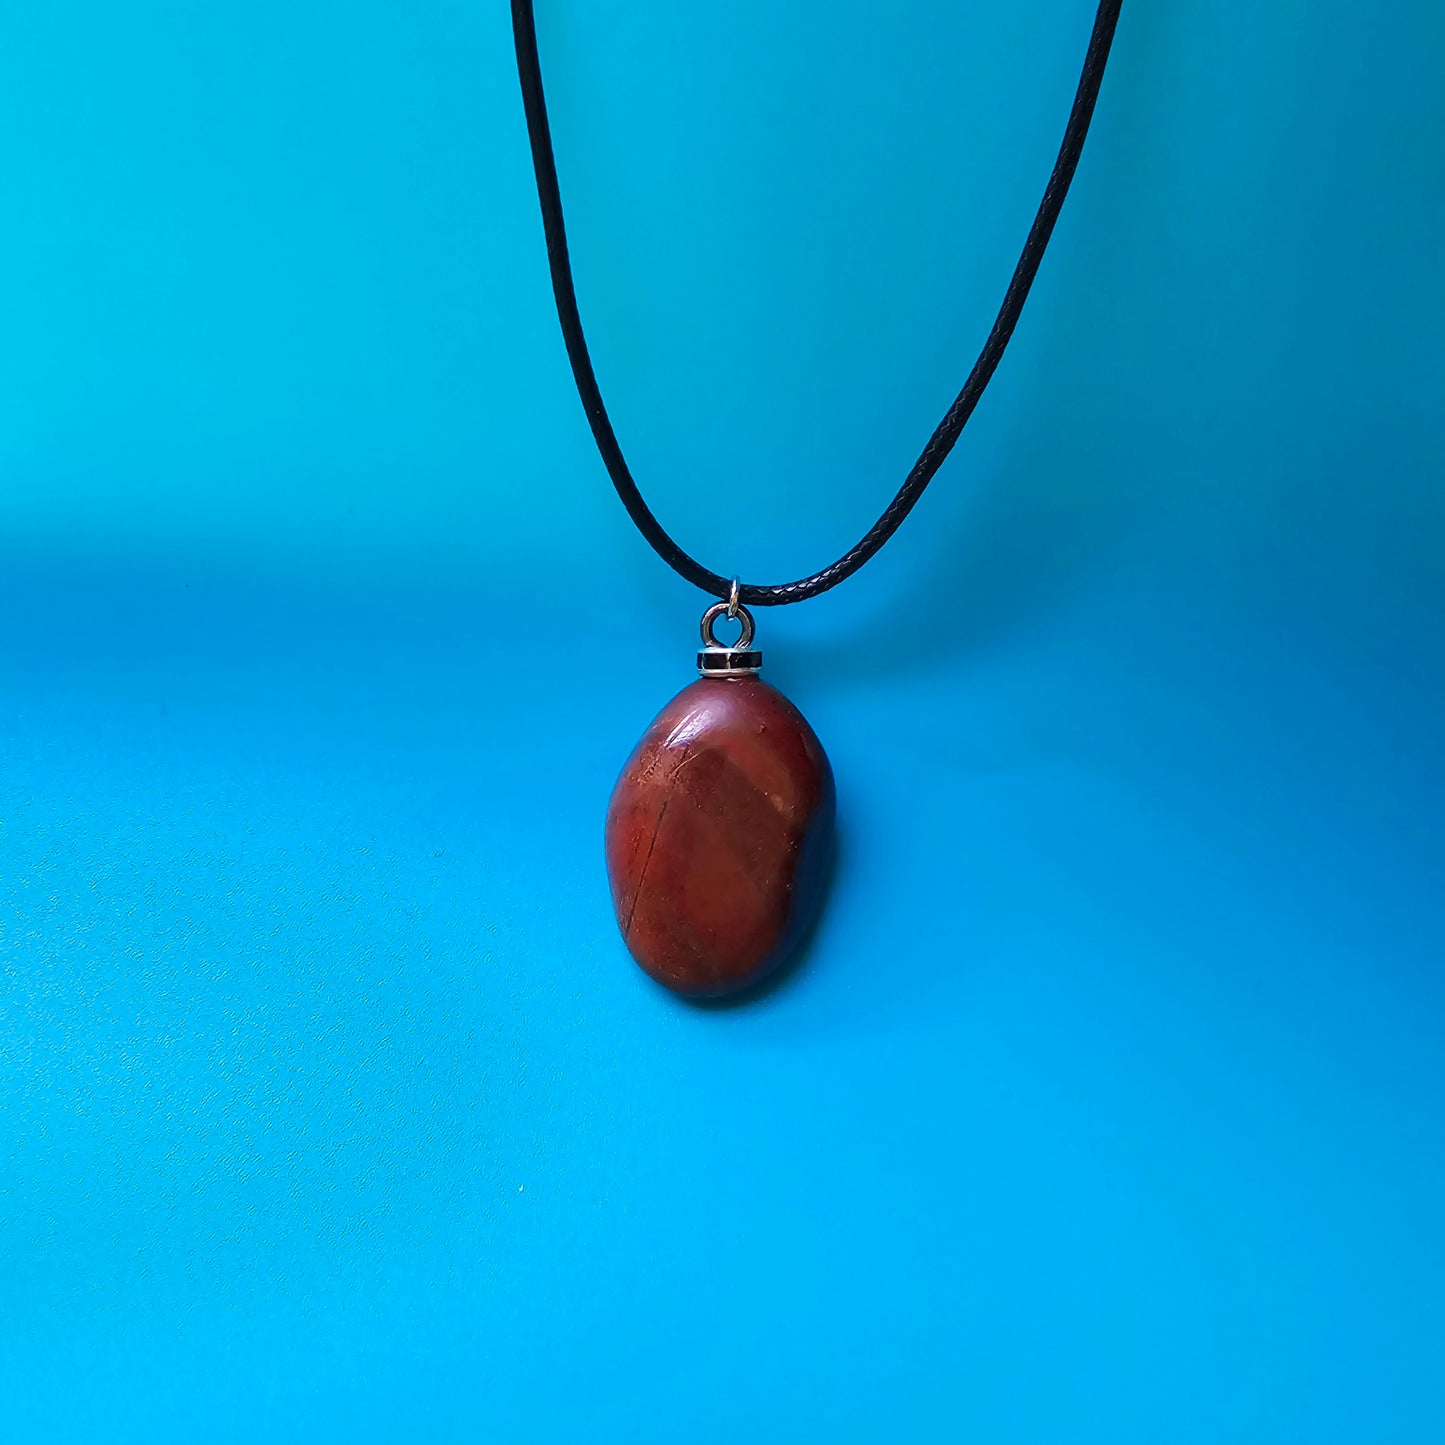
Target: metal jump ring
x,y
732,608
733,600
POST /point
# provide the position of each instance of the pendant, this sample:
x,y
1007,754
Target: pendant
x,y
719,832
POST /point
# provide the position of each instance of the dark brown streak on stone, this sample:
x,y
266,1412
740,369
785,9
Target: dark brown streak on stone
x,y
642,872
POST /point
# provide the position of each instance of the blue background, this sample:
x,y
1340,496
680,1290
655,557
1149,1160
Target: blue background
x,y
1108,1103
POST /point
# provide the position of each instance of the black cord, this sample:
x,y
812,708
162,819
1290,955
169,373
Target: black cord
x,y
940,443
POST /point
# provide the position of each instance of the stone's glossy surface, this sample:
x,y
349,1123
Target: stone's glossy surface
x,y
718,836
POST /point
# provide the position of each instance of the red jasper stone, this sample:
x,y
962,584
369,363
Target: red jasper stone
x,y
718,836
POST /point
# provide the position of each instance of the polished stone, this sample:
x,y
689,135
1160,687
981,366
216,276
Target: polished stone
x,y
718,836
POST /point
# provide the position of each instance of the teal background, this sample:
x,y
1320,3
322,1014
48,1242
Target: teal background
x,y
1108,1103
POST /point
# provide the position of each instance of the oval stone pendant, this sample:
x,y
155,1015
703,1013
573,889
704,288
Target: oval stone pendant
x,y
720,828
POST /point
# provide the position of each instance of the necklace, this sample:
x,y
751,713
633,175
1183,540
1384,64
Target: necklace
x,y
719,832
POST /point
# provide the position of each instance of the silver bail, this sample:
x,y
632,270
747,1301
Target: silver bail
x,y
718,660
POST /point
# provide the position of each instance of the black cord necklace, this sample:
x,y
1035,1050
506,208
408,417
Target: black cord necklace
x,y
945,434
719,830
